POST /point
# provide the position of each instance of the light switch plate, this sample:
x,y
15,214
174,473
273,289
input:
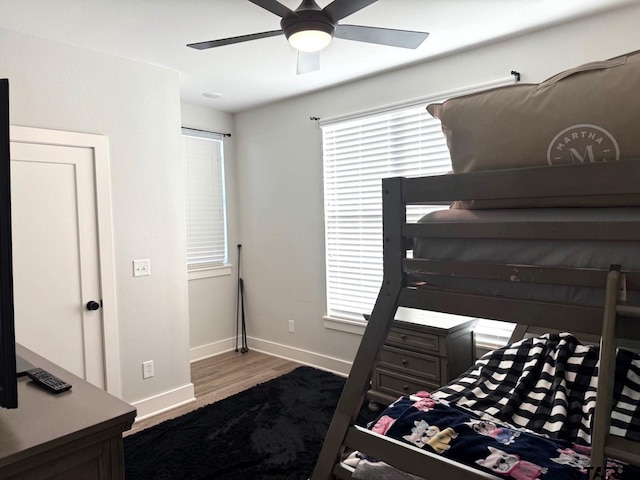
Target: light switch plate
x,y
141,268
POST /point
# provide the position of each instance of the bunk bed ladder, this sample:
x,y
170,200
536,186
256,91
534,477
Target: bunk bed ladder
x,y
604,445
375,334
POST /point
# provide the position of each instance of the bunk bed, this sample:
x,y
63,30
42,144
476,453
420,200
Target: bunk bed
x,y
598,300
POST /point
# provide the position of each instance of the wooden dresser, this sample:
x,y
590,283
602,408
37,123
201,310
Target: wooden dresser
x,y
75,435
423,351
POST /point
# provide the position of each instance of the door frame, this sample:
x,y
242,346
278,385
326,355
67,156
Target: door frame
x,y
100,146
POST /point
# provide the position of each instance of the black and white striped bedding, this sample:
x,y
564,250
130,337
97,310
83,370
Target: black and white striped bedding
x,y
548,384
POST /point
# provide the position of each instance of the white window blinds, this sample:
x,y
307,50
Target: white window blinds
x,y
358,153
202,153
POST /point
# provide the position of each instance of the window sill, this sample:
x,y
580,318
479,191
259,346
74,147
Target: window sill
x,y
357,327
491,345
209,272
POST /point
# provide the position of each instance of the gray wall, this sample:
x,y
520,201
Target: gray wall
x,y
279,155
137,107
212,316
274,175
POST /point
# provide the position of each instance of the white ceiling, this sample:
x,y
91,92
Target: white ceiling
x,y
264,70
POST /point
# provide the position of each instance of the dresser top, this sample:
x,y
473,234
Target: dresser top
x,y
44,421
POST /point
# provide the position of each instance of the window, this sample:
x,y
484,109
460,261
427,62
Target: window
x,y
358,152
202,153
357,155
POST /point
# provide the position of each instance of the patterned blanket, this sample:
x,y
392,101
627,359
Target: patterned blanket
x,y
481,442
523,411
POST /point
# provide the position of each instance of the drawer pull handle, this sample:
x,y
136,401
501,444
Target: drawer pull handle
x,y
403,337
405,388
404,362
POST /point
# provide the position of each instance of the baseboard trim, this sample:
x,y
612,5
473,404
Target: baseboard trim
x,y
211,349
305,357
164,401
182,395
185,394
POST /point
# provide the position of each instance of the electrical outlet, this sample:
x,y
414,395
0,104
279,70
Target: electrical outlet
x,y
147,369
141,268
292,326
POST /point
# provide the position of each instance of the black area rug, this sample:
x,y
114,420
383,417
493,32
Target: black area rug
x,y
272,431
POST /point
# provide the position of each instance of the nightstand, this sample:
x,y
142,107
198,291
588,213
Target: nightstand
x,y
423,351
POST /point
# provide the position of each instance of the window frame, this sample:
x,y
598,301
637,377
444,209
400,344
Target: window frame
x,y
205,182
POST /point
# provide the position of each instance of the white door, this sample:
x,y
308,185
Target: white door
x,y
56,257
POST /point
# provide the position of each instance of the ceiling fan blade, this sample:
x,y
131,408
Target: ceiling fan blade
x,y
231,40
338,9
308,62
381,36
274,7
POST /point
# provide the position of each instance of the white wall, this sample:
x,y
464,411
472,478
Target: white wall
x,y
137,107
212,300
279,155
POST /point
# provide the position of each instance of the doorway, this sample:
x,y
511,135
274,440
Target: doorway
x,y
63,252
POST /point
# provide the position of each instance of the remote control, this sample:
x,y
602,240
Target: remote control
x,y
48,381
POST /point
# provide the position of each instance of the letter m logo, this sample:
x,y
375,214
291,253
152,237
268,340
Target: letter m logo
x,y
576,157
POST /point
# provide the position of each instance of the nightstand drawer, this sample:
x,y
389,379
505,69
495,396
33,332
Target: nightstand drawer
x,y
396,384
420,341
422,351
411,363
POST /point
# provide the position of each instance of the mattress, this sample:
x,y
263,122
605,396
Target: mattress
x,y
552,253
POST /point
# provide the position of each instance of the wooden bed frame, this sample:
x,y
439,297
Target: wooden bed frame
x,y
404,285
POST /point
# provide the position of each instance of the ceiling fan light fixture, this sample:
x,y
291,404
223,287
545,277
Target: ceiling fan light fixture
x,y
309,36
310,40
310,28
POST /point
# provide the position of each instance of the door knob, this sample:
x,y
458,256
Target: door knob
x,y
93,305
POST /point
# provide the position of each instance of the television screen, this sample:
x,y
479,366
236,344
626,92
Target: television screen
x,y
8,376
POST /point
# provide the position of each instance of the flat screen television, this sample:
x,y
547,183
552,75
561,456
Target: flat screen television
x,y
8,375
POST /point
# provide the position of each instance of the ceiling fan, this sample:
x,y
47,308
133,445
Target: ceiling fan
x,y
310,28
